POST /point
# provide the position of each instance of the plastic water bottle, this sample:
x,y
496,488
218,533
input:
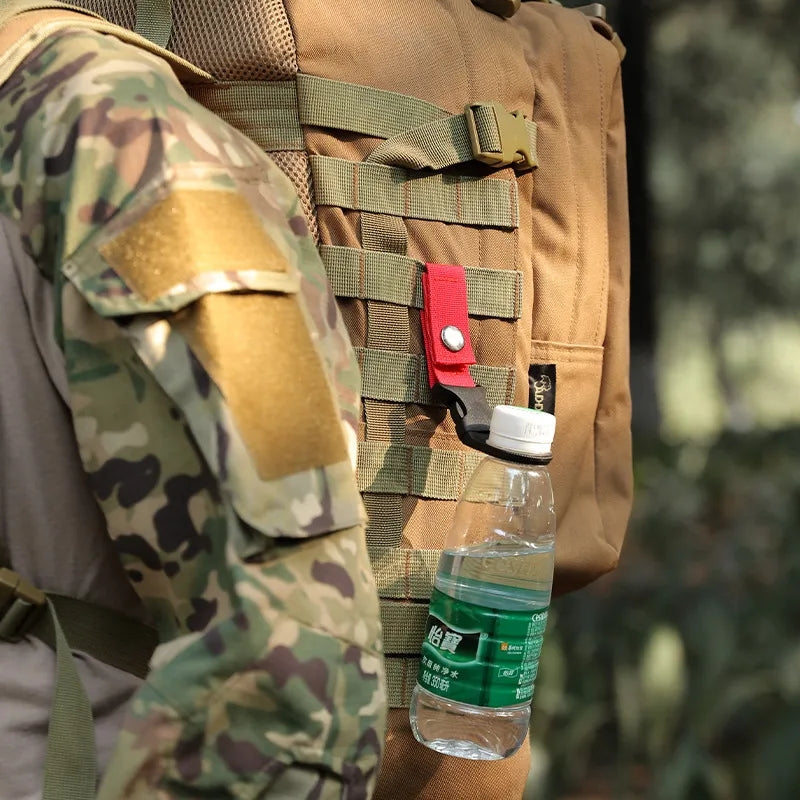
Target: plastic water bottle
x,y
491,594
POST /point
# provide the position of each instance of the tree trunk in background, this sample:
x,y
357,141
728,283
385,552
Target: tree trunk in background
x,y
632,21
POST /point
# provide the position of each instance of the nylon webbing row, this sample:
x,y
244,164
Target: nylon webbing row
x,y
363,186
393,278
265,112
403,626
400,377
403,572
154,20
361,109
418,471
419,135
401,677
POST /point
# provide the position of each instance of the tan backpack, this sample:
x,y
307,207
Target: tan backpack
x,y
394,121
363,104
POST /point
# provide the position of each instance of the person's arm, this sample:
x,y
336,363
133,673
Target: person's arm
x,y
213,393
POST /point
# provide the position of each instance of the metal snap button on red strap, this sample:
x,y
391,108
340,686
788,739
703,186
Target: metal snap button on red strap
x,y
452,338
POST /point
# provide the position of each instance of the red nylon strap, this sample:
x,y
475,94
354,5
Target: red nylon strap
x,y
444,289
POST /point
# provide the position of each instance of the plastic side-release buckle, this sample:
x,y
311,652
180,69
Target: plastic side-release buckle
x,y
515,143
21,604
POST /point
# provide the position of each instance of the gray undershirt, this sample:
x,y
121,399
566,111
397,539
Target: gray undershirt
x,y
50,526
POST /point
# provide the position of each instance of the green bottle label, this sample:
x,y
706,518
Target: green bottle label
x,y
484,656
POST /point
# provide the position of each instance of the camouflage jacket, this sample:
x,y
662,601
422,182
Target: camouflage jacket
x,y
214,397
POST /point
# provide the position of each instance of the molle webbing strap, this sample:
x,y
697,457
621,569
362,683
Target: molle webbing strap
x,y
401,671
388,328
403,572
154,20
411,470
400,377
361,109
418,135
381,233
383,531
393,278
390,190
385,519
403,630
264,111
403,626
386,422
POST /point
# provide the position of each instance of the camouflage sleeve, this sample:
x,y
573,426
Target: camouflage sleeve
x,y
214,398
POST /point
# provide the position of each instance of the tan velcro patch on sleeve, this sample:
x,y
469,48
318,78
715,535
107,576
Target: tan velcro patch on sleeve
x,y
189,232
255,345
259,353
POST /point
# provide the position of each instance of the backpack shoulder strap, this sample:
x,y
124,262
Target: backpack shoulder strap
x,y
65,624
152,17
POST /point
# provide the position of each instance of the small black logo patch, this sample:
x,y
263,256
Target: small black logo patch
x,y
542,386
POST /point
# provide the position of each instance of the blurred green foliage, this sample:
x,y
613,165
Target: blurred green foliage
x,y
724,102
679,676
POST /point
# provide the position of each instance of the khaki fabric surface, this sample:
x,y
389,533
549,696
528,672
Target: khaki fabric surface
x,y
573,264
558,71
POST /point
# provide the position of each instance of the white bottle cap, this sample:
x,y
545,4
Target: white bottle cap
x,y
524,431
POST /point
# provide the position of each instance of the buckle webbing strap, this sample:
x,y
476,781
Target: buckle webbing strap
x,y
265,111
394,278
485,132
66,624
403,572
399,377
419,135
463,199
70,767
328,103
109,636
